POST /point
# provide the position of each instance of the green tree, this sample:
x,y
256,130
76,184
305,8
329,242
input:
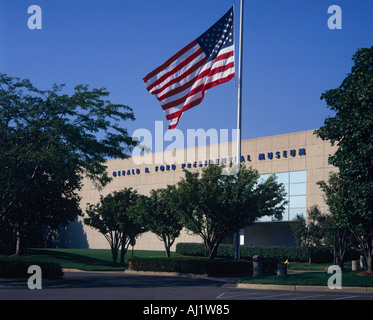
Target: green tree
x,y
159,213
341,216
48,142
126,216
351,129
214,206
114,218
309,233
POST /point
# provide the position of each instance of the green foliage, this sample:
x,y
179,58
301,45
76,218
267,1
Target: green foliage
x,y
194,265
351,129
115,218
193,249
341,219
18,269
213,205
272,253
159,213
48,142
309,233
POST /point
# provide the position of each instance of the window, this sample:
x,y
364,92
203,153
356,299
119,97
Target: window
x,y
295,187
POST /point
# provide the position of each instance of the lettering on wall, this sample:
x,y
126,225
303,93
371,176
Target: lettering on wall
x,y
268,156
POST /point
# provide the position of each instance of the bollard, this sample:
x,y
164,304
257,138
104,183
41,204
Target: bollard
x,y
354,265
257,269
281,269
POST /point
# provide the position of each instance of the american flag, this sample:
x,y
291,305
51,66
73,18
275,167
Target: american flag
x,y
180,83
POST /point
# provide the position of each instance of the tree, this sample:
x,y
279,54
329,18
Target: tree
x,y
48,142
309,233
102,218
352,130
113,217
215,206
340,222
126,216
159,213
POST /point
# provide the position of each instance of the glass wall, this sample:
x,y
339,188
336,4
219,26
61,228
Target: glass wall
x,y
295,187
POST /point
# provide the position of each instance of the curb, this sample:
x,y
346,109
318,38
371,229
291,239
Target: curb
x,y
165,274
92,271
303,288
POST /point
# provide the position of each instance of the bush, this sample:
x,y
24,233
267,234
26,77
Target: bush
x,y
191,249
195,265
276,253
273,253
18,269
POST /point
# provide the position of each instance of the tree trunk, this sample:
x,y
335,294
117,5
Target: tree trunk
x,y
124,249
123,254
168,253
369,263
213,250
18,243
341,258
168,242
341,262
114,252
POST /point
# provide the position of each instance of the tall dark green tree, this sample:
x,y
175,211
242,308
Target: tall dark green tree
x,y
214,206
115,218
308,232
351,129
159,213
342,221
48,141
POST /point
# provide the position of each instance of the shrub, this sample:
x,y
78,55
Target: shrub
x,y
274,253
18,269
194,265
191,249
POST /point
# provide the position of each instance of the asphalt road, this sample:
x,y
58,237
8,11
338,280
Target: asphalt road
x,y
119,286
119,295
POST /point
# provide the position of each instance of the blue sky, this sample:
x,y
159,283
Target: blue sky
x,y
290,55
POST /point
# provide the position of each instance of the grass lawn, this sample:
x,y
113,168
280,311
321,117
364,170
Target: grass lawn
x,y
83,259
315,266
349,279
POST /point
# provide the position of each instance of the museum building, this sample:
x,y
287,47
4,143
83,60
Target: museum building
x,y
298,159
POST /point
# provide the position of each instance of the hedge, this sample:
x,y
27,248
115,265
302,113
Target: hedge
x,y
275,253
199,265
18,269
247,252
195,265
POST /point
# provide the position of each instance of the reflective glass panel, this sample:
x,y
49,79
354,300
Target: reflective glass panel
x,y
297,189
297,176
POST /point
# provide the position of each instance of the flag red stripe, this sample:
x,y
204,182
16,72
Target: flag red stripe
x,y
169,61
199,76
208,72
180,78
175,70
198,101
202,89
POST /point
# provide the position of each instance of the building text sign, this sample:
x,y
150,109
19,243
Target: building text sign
x,y
284,154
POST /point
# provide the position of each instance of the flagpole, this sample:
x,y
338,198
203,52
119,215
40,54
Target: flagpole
x,y
236,237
